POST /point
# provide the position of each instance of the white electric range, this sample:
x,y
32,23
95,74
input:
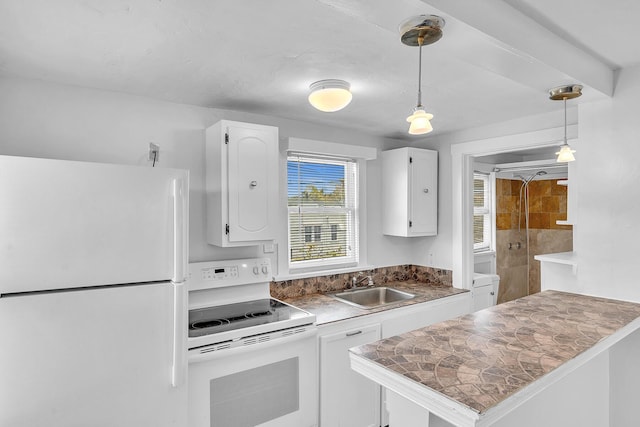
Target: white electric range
x,y
252,358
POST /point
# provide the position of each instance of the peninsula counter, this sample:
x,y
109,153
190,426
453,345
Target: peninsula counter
x,y
552,359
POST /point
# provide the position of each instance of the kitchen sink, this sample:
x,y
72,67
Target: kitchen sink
x,y
372,297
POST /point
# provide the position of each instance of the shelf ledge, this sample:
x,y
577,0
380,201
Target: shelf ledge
x,y
564,258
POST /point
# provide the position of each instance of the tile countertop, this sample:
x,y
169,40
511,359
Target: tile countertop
x,y
327,309
483,358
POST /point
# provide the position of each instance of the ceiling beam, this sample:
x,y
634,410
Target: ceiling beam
x,y
525,36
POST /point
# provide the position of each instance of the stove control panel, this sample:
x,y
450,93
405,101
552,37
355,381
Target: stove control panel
x,y
219,274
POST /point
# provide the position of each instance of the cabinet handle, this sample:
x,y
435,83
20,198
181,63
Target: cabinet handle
x,y
350,334
426,190
253,184
493,293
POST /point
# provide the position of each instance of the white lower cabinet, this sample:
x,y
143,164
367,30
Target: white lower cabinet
x,y
347,399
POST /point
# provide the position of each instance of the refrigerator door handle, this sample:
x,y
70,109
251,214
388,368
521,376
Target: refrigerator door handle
x,y
180,234
180,319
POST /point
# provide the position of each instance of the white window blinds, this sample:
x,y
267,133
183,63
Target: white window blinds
x,y
481,212
323,216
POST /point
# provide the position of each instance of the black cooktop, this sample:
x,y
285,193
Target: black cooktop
x,y
222,318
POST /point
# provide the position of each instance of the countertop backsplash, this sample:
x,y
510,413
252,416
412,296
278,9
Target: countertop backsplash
x,y
381,275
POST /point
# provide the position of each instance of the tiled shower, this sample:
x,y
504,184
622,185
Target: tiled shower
x,y
547,204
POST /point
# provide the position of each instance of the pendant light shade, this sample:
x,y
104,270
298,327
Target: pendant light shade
x,y
420,31
420,122
565,154
562,93
330,95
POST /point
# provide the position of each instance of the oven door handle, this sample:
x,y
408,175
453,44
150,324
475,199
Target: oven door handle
x,y
195,355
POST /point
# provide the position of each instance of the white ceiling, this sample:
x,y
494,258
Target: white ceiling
x,y
496,60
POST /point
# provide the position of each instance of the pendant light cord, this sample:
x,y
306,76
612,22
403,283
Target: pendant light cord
x,y
565,120
420,41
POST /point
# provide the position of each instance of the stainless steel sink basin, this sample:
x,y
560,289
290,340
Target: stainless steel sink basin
x,y
372,297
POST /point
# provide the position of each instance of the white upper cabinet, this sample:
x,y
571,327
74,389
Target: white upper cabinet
x,y
410,192
241,183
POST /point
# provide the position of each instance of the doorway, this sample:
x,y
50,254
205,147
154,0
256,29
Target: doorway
x,y
462,159
529,217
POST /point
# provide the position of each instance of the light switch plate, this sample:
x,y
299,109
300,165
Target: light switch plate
x,y
268,248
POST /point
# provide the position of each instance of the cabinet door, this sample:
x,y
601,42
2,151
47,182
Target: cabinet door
x,y
253,182
482,297
424,192
347,399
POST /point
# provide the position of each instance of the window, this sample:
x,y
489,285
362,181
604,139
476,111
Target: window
x,y
322,197
481,212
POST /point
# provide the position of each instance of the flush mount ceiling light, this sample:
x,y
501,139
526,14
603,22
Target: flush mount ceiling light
x,y
562,93
420,31
330,95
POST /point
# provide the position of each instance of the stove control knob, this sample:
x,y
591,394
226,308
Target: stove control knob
x,y
255,270
265,270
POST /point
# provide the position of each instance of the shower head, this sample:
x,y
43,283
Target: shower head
x,y
528,180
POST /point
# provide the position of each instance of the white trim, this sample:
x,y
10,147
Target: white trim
x,y
462,156
302,273
309,146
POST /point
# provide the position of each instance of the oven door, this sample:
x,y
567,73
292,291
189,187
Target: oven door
x,y
267,384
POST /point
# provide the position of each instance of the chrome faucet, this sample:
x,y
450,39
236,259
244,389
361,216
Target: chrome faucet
x,y
355,281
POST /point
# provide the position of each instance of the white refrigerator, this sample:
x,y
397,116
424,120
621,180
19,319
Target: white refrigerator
x,y
93,305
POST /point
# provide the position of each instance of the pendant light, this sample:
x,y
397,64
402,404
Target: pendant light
x,y
562,93
420,31
330,95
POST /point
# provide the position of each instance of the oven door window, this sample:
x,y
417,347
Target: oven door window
x,y
255,396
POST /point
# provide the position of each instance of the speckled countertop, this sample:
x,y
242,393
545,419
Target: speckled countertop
x,y
327,309
483,358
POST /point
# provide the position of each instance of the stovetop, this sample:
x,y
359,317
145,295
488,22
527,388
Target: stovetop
x,y
229,302
213,320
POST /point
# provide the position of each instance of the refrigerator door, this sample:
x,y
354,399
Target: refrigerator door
x,y
71,224
100,357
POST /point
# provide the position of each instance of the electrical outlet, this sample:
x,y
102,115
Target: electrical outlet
x,y
154,152
268,248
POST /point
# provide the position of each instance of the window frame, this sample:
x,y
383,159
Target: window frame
x,y
351,208
487,211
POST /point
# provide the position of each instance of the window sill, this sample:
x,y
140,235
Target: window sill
x,y
304,273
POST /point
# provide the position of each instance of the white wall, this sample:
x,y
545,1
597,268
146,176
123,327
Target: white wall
x,y
608,231
40,119
608,171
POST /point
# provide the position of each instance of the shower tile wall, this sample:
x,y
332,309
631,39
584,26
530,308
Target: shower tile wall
x,y
547,204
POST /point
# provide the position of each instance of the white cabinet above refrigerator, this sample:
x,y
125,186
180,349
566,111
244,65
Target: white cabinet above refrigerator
x,y
241,183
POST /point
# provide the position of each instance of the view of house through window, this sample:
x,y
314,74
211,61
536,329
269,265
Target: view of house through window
x,y
322,204
481,212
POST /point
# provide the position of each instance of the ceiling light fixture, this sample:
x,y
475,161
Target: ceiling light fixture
x,y
420,31
562,93
330,95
